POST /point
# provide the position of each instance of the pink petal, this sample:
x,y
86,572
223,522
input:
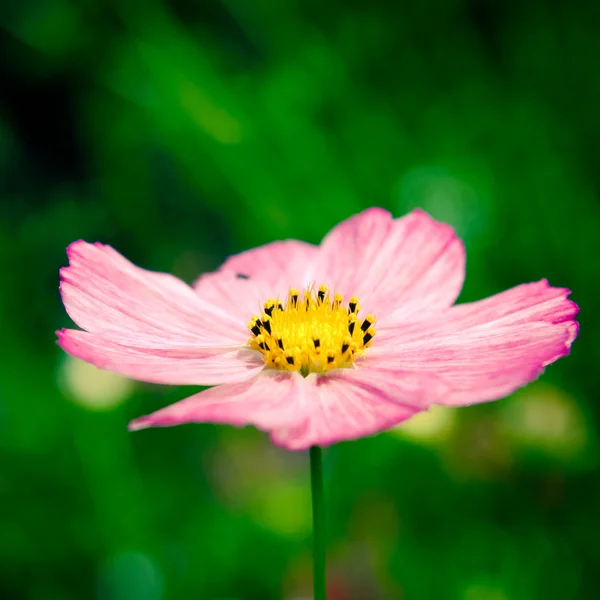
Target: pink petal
x,y
242,298
106,294
483,350
414,262
288,261
245,281
183,366
526,302
344,407
299,412
274,399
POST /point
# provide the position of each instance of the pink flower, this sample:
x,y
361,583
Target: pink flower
x,y
316,344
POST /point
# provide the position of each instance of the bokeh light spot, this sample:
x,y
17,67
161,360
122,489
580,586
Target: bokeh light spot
x,y
130,576
213,120
477,591
433,426
450,197
545,418
91,387
284,508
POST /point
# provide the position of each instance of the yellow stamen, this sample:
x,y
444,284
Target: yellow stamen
x,y
311,332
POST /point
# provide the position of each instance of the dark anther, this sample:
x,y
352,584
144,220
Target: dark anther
x,y
352,306
280,343
307,302
289,360
255,330
330,359
280,306
367,338
269,306
264,346
345,347
242,276
294,299
316,342
267,326
321,295
351,327
366,324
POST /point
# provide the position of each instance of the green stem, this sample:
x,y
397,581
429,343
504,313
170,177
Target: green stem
x,y
319,537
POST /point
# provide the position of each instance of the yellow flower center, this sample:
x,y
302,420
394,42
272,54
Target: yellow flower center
x,y
312,332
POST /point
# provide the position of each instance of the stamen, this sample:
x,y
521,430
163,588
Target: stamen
x,y
260,340
294,293
322,292
311,331
266,323
352,323
269,306
370,319
253,326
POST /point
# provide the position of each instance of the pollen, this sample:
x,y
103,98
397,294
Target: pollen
x,y
313,331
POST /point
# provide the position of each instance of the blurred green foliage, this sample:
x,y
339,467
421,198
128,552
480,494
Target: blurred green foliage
x,y
180,132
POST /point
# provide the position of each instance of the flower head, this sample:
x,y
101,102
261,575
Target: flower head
x,y
311,332
316,344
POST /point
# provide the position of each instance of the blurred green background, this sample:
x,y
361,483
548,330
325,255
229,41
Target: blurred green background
x,y
182,131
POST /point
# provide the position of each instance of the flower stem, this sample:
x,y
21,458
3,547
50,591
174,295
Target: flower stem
x,y
319,537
